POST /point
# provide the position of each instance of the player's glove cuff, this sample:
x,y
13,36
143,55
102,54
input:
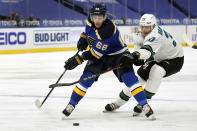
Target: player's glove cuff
x,y
82,43
73,62
136,55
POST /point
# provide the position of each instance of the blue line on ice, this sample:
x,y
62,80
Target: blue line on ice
x,y
36,96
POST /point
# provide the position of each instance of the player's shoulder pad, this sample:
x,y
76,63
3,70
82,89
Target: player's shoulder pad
x,y
107,30
89,22
138,38
153,36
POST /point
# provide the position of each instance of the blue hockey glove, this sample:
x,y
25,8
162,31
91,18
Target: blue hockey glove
x,y
73,62
82,43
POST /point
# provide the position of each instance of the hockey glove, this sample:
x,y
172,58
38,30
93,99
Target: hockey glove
x,y
82,43
73,62
139,62
128,59
136,55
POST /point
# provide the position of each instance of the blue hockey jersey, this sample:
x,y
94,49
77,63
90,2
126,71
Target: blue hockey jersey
x,y
104,41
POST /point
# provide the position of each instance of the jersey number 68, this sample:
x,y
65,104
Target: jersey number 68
x,y
101,46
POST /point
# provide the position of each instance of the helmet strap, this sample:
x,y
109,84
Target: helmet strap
x,y
152,27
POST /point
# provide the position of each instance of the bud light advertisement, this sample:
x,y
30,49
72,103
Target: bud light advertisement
x,y
51,37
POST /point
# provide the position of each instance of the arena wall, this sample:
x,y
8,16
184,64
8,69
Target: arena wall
x,y
34,40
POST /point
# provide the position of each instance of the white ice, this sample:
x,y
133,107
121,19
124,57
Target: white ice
x,y
26,77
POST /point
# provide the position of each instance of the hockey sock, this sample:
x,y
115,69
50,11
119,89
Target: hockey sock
x,y
131,81
139,95
77,95
123,96
148,94
81,88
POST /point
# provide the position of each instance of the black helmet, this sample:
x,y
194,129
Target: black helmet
x,y
98,9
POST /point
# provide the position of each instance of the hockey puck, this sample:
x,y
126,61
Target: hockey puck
x,y
75,124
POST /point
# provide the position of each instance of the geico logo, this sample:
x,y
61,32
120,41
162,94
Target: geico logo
x,y
12,38
50,37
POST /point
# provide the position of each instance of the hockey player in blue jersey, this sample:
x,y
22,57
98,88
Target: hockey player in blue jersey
x,y
107,50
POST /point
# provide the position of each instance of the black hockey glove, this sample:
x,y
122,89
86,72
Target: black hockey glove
x,y
82,43
128,59
73,62
136,55
139,62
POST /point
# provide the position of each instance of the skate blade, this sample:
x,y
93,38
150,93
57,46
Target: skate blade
x,y
138,114
152,117
64,117
105,111
37,103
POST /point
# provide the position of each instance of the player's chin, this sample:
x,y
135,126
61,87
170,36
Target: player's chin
x,y
145,34
98,25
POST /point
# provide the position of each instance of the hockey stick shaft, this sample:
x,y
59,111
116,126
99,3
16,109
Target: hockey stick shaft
x,y
54,87
84,79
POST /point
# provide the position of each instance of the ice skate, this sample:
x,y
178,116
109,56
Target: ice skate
x,y
68,110
137,110
148,112
111,107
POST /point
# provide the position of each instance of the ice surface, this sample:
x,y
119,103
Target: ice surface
x,y
26,77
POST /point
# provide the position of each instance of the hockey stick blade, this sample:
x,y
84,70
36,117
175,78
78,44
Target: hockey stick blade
x,y
40,104
84,79
37,103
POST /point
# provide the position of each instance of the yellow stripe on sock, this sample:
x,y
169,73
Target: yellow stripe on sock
x,y
137,90
79,92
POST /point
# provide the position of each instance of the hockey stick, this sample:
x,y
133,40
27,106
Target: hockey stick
x,y
84,79
37,101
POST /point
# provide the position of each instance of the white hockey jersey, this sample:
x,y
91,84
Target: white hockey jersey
x,y
163,45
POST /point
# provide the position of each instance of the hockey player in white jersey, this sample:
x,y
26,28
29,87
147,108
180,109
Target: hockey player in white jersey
x,y
162,54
